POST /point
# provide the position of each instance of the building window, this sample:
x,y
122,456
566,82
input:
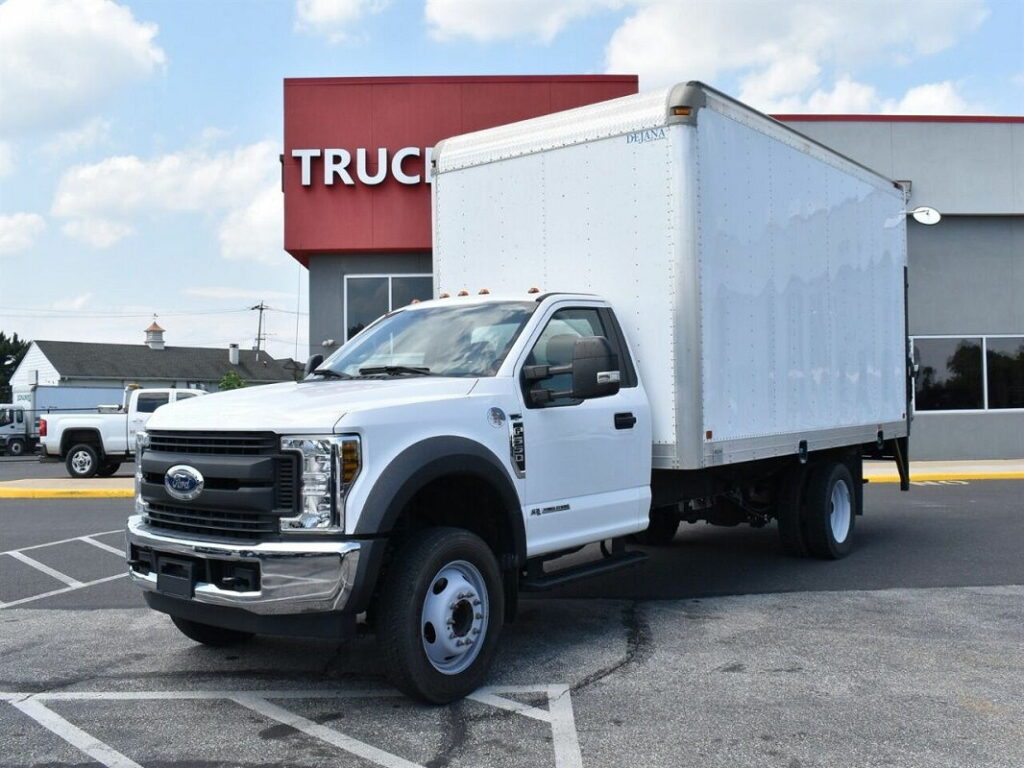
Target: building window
x,y
969,373
367,297
1005,364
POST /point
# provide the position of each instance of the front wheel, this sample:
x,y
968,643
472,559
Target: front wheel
x,y
440,615
207,634
82,461
16,448
830,511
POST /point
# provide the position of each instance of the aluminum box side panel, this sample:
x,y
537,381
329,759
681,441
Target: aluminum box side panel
x,y
801,276
597,217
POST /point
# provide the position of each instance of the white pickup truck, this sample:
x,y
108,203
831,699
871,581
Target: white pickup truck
x,y
96,444
727,341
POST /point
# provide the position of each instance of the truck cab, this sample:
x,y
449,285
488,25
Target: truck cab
x,y
437,454
17,432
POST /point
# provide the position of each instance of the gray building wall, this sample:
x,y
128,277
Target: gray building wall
x,y
327,289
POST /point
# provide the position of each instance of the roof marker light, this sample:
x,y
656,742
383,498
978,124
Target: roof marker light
x,y
484,292
445,296
534,290
463,293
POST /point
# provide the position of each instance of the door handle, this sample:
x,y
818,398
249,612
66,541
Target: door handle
x,y
624,420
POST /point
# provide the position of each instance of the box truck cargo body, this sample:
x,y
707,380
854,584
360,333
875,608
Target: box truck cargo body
x,y
759,276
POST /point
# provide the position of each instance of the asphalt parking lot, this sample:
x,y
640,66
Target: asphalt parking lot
x,y
717,652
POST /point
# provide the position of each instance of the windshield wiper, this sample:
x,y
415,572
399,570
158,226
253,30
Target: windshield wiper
x,y
393,370
328,373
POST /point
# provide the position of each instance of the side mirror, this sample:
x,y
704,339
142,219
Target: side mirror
x,y
312,364
595,368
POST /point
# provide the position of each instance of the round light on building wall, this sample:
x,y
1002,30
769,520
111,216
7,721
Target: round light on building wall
x,y
925,215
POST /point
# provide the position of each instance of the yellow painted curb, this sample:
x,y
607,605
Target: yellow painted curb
x,y
66,493
935,476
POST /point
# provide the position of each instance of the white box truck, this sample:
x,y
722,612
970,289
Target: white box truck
x,y
661,308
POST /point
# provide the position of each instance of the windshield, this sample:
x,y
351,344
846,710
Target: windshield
x,y
443,341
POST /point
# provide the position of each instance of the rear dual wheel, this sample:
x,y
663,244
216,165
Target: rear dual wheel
x,y
816,511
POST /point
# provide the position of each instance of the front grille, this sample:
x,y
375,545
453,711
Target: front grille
x,y
249,483
215,443
212,522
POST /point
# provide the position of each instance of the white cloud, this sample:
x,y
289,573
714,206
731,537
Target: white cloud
x,y
848,96
255,232
932,99
785,55
334,19
105,201
59,59
6,159
79,302
18,231
487,20
99,233
90,134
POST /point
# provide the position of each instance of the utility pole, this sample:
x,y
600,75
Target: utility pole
x,y
260,337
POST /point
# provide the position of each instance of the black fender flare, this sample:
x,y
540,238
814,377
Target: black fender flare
x,y
427,460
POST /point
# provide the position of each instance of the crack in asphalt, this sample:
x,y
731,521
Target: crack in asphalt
x,y
454,737
639,645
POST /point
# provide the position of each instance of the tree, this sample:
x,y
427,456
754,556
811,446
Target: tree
x,y
12,350
231,380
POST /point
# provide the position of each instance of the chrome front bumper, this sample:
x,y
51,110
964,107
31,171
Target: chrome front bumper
x,y
295,577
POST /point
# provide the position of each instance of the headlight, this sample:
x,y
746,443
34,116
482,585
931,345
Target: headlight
x,y
329,465
141,444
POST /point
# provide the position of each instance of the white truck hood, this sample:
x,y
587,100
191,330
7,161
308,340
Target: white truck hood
x,y
302,408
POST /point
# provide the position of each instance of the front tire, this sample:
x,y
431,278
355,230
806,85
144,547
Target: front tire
x,y
207,634
440,615
82,461
16,448
830,511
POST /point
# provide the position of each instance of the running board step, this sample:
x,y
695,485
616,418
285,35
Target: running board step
x,y
544,581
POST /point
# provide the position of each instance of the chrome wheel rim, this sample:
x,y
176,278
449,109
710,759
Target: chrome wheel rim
x,y
81,462
453,621
842,511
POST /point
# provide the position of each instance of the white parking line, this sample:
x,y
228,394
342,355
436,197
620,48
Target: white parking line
x,y
559,715
72,583
62,590
101,545
62,577
73,735
60,541
322,732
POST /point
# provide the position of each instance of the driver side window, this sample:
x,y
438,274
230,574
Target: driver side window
x,y
555,345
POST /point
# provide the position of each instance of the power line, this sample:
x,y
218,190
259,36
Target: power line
x,y
70,313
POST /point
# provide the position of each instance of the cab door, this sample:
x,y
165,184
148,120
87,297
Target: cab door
x,y
587,462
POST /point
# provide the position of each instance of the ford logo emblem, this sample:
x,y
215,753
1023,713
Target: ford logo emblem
x,y
183,482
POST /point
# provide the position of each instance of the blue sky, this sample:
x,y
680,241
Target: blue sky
x,y
139,140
